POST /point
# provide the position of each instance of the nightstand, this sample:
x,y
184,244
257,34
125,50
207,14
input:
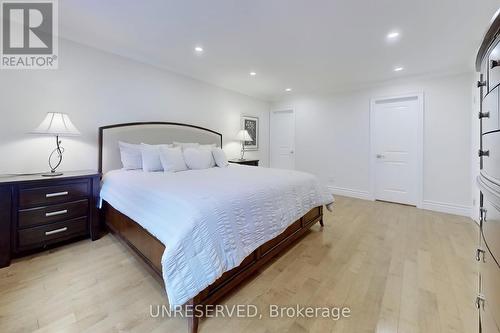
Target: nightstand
x,y
36,211
245,162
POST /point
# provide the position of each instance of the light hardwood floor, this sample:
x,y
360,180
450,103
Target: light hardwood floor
x,y
398,268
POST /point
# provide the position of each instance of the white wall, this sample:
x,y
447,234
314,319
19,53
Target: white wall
x,y
332,138
97,88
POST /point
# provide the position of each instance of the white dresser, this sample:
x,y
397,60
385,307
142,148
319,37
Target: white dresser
x,y
488,251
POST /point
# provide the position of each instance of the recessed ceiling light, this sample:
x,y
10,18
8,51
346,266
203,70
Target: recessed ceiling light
x,y
398,69
252,73
393,36
288,89
198,49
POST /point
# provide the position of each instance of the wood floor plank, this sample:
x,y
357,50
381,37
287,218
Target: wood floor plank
x,y
399,270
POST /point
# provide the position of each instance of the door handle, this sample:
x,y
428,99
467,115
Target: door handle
x,y
291,151
380,156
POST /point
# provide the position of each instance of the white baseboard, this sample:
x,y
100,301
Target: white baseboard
x,y
426,204
347,192
447,208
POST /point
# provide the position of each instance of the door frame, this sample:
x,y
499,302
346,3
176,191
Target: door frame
x,y
271,136
420,143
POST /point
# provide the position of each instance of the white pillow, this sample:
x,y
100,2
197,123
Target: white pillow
x,y
198,158
185,145
130,155
209,147
220,157
151,157
172,159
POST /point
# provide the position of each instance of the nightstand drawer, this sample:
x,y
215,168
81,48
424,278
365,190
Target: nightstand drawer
x,y
49,214
42,235
30,197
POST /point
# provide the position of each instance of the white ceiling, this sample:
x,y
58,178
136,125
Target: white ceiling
x,y
308,45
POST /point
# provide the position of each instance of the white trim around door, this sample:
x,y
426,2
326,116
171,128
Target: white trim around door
x,y
420,143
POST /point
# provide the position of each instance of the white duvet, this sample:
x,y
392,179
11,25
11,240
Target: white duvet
x,y
210,220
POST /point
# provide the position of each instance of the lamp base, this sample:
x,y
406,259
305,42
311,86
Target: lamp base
x,y
52,174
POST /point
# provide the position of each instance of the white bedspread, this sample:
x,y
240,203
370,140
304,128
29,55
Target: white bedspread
x,y
210,220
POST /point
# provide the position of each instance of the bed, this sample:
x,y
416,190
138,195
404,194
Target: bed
x,y
202,232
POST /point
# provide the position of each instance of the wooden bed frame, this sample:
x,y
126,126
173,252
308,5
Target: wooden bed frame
x,y
150,249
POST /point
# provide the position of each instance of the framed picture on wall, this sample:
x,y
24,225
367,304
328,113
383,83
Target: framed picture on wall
x,y
251,124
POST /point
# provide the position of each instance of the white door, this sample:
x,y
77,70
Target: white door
x,y
282,132
395,149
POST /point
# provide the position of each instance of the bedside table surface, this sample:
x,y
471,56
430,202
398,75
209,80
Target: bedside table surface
x,y
237,160
252,162
8,179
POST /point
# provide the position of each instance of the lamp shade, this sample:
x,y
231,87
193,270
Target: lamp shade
x,y
56,124
243,136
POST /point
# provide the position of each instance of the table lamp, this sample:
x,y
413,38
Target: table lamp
x,y
243,136
56,124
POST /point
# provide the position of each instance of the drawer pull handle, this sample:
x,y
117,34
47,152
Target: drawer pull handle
x,y
483,153
480,299
52,232
484,115
495,63
480,254
59,212
483,211
57,194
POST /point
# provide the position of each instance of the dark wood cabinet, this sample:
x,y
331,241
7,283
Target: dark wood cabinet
x,y
488,251
36,211
245,162
5,224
